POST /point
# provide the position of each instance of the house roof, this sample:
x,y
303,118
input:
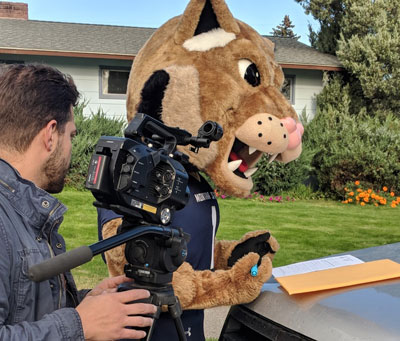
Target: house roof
x,y
123,42
290,53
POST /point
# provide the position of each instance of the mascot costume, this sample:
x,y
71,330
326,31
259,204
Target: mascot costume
x,y
207,65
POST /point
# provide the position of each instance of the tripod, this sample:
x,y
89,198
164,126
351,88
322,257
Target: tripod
x,y
160,296
153,253
151,262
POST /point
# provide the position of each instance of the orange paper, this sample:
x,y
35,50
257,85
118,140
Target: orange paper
x,y
340,277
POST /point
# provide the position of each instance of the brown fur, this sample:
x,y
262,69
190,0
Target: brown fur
x,y
207,85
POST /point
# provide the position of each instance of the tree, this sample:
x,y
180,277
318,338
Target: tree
x,y
369,48
365,36
285,29
329,14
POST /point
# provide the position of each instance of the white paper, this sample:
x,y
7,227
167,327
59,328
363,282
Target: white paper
x,y
315,265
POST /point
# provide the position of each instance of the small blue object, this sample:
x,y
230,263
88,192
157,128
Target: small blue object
x,y
254,270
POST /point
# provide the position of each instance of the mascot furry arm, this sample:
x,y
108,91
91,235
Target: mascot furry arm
x,y
206,65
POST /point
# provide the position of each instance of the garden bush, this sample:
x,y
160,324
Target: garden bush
x,y
89,130
354,148
277,177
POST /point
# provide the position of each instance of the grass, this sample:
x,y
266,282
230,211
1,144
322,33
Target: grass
x,y
311,229
304,229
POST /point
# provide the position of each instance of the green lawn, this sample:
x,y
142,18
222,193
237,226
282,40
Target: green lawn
x,y
304,229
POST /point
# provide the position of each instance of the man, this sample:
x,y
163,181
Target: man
x,y
36,130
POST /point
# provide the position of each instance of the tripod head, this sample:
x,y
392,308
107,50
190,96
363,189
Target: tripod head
x,y
153,257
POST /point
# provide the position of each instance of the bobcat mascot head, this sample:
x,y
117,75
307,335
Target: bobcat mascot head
x,y
206,65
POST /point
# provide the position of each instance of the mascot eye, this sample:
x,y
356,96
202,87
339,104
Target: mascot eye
x,y
249,72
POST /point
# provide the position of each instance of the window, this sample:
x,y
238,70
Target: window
x,y
288,88
113,82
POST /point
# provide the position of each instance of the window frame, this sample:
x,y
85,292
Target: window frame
x,y
110,68
292,93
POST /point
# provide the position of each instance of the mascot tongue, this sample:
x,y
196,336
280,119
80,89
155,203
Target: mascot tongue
x,y
243,166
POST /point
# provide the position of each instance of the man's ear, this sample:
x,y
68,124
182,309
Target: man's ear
x,y
50,135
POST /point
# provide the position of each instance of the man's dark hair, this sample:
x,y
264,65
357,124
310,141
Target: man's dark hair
x,y
31,96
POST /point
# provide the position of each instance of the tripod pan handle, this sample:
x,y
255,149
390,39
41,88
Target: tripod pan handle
x,y
60,264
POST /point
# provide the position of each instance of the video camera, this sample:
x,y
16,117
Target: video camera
x,y
143,176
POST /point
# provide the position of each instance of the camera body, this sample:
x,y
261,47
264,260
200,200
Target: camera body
x,y
142,175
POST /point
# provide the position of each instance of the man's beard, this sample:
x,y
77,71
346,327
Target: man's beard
x,y
55,171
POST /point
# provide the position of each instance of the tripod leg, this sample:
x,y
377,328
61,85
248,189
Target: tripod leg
x,y
175,311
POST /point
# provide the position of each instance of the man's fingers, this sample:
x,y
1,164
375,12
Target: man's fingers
x,y
138,321
132,334
132,295
119,280
140,309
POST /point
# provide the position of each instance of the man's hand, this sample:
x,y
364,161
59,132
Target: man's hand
x,y
108,285
105,313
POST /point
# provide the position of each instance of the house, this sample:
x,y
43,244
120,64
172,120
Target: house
x,y
99,57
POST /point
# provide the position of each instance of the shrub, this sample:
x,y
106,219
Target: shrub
x,y
89,130
276,177
351,148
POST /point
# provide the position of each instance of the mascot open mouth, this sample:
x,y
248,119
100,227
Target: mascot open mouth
x,y
243,158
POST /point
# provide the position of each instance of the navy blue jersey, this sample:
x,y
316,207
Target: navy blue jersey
x,y
199,218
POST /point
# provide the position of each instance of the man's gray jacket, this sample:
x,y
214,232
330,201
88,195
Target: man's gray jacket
x,y
29,221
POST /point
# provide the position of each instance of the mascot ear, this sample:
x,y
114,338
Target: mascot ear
x,y
202,16
153,93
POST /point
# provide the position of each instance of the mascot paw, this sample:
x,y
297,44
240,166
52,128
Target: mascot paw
x,y
249,285
259,242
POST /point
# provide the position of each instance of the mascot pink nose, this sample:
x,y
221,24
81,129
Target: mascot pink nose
x,y
295,131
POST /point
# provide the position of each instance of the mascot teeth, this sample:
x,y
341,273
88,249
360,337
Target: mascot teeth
x,y
250,172
233,165
241,158
272,158
252,150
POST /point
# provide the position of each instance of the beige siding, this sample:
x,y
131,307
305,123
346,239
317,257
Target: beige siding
x,y
307,84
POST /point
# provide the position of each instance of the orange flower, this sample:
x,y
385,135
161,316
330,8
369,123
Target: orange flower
x,y
359,190
369,190
385,188
366,199
363,204
357,198
376,204
351,194
350,200
392,194
357,182
393,205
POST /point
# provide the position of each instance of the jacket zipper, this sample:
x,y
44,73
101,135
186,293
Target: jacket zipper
x,y
48,242
7,186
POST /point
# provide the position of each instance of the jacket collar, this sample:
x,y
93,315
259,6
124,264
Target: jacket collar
x,y
32,203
